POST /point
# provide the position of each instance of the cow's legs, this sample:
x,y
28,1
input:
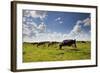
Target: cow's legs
x,y
74,45
37,45
60,47
48,44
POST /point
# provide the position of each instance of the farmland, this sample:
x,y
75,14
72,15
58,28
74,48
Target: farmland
x,y
32,53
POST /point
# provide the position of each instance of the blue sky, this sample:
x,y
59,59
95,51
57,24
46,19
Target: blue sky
x,y
55,25
68,19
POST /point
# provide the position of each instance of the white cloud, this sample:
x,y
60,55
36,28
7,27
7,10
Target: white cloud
x,y
60,22
24,19
65,35
76,30
87,22
54,36
42,14
37,33
78,22
84,36
42,27
30,28
78,33
26,31
26,13
57,19
35,14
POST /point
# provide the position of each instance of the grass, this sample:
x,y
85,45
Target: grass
x,y
32,53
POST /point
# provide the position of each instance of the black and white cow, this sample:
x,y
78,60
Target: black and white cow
x,y
40,43
52,43
68,43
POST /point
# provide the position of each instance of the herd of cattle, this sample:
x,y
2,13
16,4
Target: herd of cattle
x,y
60,44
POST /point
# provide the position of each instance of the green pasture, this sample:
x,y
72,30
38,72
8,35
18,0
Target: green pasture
x,y
32,53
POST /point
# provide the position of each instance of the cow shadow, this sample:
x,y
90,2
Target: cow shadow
x,y
64,50
72,50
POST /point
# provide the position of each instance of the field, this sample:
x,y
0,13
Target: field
x,y
32,53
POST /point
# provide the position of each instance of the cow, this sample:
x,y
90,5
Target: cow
x,y
52,43
40,43
68,43
83,41
34,43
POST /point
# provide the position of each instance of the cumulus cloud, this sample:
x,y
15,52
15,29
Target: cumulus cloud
x,y
78,22
24,19
60,22
55,36
26,13
25,29
84,36
33,32
77,31
31,28
42,14
42,27
87,22
35,14
57,19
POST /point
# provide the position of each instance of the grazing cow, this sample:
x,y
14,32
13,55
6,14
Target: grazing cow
x,y
83,42
34,43
52,43
68,43
40,43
